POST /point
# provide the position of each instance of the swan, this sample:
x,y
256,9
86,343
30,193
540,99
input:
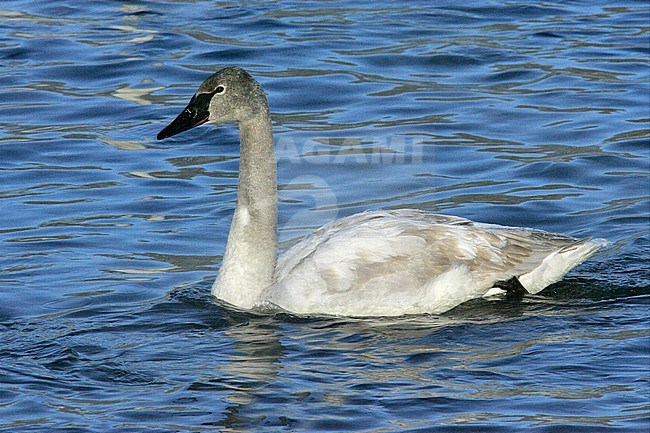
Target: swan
x,y
380,263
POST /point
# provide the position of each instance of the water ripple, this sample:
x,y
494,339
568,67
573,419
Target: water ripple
x,y
524,114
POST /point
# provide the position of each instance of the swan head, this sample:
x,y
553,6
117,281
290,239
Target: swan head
x,y
230,95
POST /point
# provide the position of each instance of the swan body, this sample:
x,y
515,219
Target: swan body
x,y
382,263
389,263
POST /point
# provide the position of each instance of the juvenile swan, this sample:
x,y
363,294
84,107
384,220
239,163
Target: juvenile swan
x,y
383,263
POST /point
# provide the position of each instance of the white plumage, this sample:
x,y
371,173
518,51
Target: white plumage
x,y
407,262
382,263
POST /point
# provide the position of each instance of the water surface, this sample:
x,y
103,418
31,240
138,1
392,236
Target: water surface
x,y
519,113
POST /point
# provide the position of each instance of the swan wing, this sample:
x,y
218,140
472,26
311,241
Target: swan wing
x,y
336,231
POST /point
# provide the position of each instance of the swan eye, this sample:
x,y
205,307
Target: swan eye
x,y
219,90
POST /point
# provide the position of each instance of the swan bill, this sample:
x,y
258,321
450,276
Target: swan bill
x,y
196,113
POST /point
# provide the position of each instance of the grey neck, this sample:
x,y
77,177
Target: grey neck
x,y
249,260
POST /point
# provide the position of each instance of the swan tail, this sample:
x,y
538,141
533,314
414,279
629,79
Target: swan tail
x,y
558,263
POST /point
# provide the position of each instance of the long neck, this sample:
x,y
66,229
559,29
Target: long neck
x,y
249,260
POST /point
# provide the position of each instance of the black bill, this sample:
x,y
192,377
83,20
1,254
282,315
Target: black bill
x,y
196,113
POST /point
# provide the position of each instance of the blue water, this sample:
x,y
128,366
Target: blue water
x,y
521,113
